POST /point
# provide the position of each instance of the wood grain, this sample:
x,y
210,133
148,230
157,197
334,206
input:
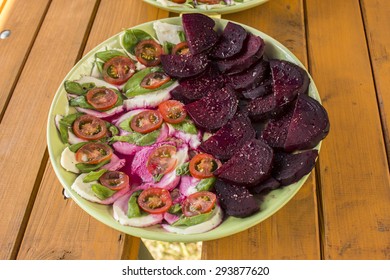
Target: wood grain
x,y
23,130
353,167
23,19
292,233
78,235
376,19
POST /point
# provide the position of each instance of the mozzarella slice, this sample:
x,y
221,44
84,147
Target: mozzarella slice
x,y
68,161
167,32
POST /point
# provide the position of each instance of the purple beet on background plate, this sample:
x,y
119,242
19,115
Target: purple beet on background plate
x,y
230,42
250,165
251,52
229,138
184,66
290,168
237,201
214,110
199,31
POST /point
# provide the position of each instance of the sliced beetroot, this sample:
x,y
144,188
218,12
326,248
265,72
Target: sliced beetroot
x,y
251,52
265,107
250,165
184,66
265,187
214,110
231,41
229,138
309,125
237,201
264,88
199,31
251,77
290,168
289,80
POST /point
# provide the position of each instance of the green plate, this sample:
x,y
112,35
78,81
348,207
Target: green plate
x,y
218,11
272,203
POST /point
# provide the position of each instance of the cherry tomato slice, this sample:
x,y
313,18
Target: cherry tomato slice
x,y
93,153
198,203
115,180
179,1
203,165
102,98
162,160
181,49
118,70
146,121
155,200
172,111
148,52
89,127
155,80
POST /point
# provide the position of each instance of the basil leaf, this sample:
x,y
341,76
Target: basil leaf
x,y
133,85
132,37
133,209
186,126
183,169
168,47
64,133
182,36
125,125
69,119
75,147
88,86
138,139
86,168
81,102
175,209
113,129
102,192
94,175
74,88
107,55
64,125
206,184
99,66
193,220
157,178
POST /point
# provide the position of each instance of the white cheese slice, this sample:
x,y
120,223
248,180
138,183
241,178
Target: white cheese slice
x,y
167,32
68,161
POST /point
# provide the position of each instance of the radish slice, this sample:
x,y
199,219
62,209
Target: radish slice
x,y
213,222
115,163
85,191
170,218
193,140
120,214
188,184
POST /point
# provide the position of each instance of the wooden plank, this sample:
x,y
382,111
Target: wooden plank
x,y
376,16
353,167
70,232
23,136
292,233
23,19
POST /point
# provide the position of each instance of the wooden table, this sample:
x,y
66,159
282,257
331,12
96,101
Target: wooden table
x,y
343,210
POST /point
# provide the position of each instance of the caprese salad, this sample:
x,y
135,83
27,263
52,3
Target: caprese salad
x,y
184,126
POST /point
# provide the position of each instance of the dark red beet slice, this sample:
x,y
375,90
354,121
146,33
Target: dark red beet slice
x,y
275,131
289,80
265,107
236,200
251,77
199,32
229,138
184,66
214,110
290,168
251,52
309,125
265,187
250,165
264,88
231,41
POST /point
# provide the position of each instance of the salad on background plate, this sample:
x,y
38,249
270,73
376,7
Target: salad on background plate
x,y
185,129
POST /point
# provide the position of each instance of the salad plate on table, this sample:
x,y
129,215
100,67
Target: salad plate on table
x,y
185,129
218,7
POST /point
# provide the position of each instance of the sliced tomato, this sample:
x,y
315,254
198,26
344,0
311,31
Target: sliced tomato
x,y
181,49
146,121
198,203
93,153
148,52
162,160
89,127
102,98
172,111
115,180
155,200
179,1
155,80
203,165
118,70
